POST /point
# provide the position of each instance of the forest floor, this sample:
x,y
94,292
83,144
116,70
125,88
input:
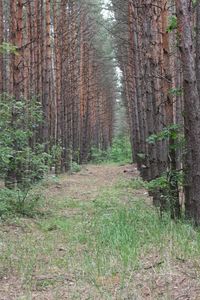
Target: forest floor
x,y
99,238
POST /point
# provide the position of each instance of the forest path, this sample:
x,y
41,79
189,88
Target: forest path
x,y
99,239
88,183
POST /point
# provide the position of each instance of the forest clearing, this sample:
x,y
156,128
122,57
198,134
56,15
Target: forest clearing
x,y
100,149
99,238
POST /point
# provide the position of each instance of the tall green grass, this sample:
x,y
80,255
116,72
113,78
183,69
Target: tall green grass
x,y
120,235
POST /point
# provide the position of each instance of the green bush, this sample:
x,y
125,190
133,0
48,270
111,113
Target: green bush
x,y
75,168
19,203
99,156
23,161
19,161
119,152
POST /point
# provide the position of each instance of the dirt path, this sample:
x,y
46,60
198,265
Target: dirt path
x,y
99,239
21,238
86,184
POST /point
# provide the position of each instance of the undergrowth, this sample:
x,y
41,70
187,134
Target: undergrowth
x,y
15,203
119,152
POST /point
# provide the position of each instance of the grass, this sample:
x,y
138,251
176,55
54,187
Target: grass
x,y
103,244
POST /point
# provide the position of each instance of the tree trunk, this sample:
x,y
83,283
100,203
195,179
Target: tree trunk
x,y
191,112
1,42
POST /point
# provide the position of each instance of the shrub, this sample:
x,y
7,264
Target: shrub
x,y
99,156
17,202
75,168
19,161
121,150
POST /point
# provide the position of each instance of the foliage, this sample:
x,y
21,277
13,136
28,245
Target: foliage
x,y
75,168
37,163
158,183
141,156
119,152
18,202
20,121
99,156
56,153
176,91
168,186
167,132
194,2
172,132
165,180
8,48
172,24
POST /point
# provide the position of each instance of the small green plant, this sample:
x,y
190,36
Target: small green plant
x,y
56,157
141,156
8,48
158,183
56,153
75,168
172,24
163,181
167,185
171,132
176,91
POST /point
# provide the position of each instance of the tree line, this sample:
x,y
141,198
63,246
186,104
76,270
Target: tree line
x,y
52,54
158,46
58,88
